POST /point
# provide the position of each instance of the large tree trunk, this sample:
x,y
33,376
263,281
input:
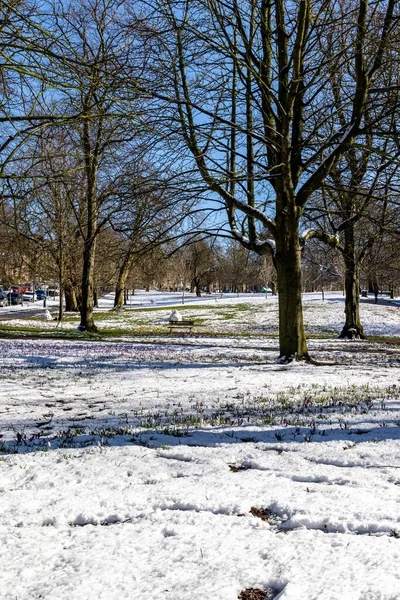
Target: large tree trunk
x,y
87,320
292,339
89,251
61,304
352,327
196,286
123,273
71,302
91,143
120,289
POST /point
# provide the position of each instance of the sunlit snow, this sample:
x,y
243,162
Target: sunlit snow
x,y
137,468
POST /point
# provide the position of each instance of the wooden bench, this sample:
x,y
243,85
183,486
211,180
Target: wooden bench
x,y
186,325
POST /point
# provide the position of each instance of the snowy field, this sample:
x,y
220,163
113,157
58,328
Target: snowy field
x,y
227,313
195,467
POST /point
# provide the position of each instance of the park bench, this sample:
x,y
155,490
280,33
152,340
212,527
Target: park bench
x,y
185,325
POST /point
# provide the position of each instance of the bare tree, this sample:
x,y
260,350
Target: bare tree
x,y
94,33
353,205
250,86
68,67
152,215
239,268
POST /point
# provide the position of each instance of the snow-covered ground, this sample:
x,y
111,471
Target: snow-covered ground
x,y
196,468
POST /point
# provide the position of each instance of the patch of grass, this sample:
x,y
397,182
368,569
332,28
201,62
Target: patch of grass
x,y
384,340
140,331
179,307
245,307
226,316
326,334
298,414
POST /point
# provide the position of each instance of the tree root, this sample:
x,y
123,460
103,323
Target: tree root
x,y
285,360
352,333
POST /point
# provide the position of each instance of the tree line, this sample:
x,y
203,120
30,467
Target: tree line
x,y
269,122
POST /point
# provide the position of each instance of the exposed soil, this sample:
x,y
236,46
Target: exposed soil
x,y
257,594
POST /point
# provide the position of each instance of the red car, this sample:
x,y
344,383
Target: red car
x,y
19,289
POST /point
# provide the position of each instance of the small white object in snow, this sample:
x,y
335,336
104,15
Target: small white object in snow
x,y
175,316
47,316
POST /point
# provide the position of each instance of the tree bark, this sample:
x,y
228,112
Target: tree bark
x,y
119,292
196,286
87,319
71,302
120,297
61,304
352,327
292,338
91,155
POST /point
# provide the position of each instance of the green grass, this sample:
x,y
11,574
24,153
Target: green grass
x,y
104,334
144,329
180,307
140,323
226,316
286,415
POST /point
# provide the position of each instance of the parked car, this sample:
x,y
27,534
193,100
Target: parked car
x,y
29,296
53,292
3,299
14,298
40,294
